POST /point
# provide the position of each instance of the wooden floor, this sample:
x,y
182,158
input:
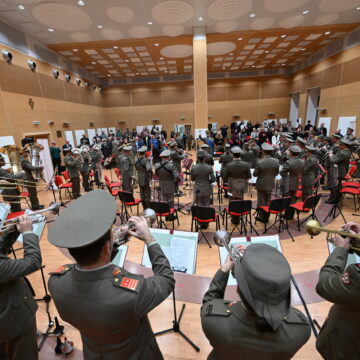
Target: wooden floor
x,y
304,254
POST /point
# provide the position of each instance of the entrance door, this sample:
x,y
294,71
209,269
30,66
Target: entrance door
x,y
312,106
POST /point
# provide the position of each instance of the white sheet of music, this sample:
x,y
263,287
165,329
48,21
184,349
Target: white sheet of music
x,y
180,248
119,259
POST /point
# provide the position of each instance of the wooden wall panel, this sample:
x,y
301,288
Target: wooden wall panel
x,y
140,98
51,87
332,77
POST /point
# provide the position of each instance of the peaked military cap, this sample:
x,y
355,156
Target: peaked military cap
x,y
290,139
351,129
267,147
236,150
200,154
205,146
310,148
295,149
346,142
301,140
263,276
84,221
143,149
336,136
127,148
227,146
165,153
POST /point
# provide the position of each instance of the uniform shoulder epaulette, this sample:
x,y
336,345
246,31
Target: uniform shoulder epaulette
x,y
216,308
125,282
295,316
61,270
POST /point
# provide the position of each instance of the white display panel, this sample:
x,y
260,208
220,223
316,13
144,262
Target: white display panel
x,y
45,157
78,135
201,132
345,122
327,123
6,140
113,130
69,136
91,134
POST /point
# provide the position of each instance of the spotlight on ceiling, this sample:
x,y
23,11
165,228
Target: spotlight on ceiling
x,y
78,81
67,77
7,56
32,65
55,73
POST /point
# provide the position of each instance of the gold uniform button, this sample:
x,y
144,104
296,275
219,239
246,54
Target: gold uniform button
x,y
228,311
116,280
25,297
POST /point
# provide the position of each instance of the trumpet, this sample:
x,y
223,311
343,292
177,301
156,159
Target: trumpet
x,y
222,238
314,228
9,225
120,233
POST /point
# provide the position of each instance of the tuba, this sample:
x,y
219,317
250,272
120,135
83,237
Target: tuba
x,y
35,159
13,153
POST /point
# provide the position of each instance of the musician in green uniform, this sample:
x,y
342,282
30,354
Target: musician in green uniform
x,y
311,169
30,182
73,164
340,284
144,172
127,169
176,156
106,303
17,304
263,325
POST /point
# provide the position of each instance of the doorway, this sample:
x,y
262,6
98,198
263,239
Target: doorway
x,y
294,109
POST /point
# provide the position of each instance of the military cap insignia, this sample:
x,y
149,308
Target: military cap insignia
x,y
61,270
116,271
345,278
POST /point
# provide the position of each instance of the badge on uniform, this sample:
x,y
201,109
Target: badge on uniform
x,y
345,278
128,283
60,270
116,271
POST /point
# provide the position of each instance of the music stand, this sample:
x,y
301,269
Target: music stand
x,y
176,322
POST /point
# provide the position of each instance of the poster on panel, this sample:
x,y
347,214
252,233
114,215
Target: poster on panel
x,y
105,130
345,122
69,136
201,132
91,134
46,162
112,130
78,135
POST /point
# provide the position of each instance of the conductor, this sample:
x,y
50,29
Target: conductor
x,y
106,303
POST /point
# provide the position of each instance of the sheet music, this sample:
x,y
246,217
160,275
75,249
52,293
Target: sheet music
x,y
352,258
180,248
272,240
119,259
4,211
37,228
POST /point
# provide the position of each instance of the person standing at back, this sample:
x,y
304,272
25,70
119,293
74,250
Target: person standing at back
x,y
73,164
55,154
266,169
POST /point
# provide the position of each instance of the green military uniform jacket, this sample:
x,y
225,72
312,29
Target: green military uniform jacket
x,y
339,336
231,329
236,175
176,158
29,168
209,159
72,165
144,171
167,176
266,169
17,304
291,171
255,151
96,157
342,160
224,160
109,307
203,175
311,170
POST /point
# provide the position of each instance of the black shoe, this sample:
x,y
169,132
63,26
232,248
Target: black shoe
x,y
330,202
40,207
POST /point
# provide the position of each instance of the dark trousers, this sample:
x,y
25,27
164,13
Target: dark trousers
x,y
145,194
33,196
306,191
57,165
24,347
97,177
85,181
264,198
75,187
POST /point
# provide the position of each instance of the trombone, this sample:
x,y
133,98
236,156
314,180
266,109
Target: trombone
x,y
9,225
314,228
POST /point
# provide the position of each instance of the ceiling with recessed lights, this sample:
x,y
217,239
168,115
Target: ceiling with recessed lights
x,y
112,38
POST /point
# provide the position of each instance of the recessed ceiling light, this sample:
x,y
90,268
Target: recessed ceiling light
x,y
93,62
99,26
115,47
223,68
75,50
126,60
21,7
156,44
283,36
267,51
161,58
200,18
253,66
283,64
252,15
149,22
303,49
358,8
231,54
109,75
328,33
305,12
81,2
137,74
51,30
240,38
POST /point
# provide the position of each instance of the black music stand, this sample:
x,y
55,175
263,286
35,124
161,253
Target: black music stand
x,y
176,323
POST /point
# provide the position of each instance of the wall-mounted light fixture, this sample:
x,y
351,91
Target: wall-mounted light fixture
x,y
7,55
55,73
66,124
32,65
31,103
67,77
51,122
78,82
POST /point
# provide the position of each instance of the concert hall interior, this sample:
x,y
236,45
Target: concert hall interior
x,y
231,127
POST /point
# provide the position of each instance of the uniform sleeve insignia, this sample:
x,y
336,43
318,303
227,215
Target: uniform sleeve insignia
x,y
126,283
61,270
345,278
116,271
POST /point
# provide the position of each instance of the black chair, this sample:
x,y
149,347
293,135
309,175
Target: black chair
x,y
127,200
241,210
278,207
203,215
306,206
163,210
